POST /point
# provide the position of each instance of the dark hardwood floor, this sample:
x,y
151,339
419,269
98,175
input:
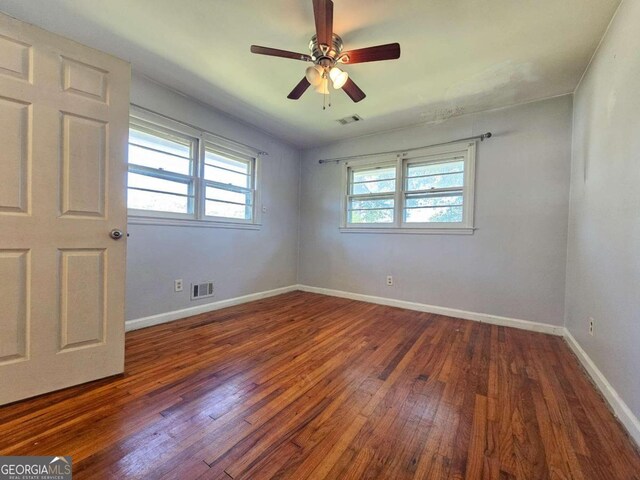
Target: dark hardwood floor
x,y
309,386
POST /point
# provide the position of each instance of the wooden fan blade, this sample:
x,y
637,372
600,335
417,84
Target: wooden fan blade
x,y
299,89
390,51
323,14
353,90
274,52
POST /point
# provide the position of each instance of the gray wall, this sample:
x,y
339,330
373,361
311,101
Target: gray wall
x,y
603,274
238,261
513,265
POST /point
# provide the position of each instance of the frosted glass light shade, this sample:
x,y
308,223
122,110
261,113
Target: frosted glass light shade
x,y
323,87
338,77
314,75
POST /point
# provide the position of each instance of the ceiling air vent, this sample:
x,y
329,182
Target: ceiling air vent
x,y
350,119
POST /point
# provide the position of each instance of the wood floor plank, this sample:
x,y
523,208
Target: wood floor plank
x,y
309,386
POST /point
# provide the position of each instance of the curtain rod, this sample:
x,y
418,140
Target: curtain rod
x,y
195,127
341,159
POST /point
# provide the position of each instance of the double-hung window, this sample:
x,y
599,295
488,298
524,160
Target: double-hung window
x,y
180,174
422,191
228,181
161,171
371,195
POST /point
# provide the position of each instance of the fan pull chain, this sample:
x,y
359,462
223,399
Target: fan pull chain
x,y
326,83
324,73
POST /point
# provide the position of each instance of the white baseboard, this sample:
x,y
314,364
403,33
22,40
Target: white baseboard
x,y
620,408
450,312
144,322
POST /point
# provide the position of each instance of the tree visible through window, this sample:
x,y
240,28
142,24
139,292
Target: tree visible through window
x,y
371,198
434,192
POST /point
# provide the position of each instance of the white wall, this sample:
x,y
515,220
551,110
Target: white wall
x,y
238,261
512,266
603,274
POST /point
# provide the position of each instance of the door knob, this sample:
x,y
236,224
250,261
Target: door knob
x,y
116,234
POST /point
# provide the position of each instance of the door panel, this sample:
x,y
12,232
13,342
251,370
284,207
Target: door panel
x,y
15,58
63,129
84,143
82,295
85,80
14,316
14,167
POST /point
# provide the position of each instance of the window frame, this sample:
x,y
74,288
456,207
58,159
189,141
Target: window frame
x,y
144,119
402,160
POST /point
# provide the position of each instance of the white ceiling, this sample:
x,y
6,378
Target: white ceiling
x,y
458,56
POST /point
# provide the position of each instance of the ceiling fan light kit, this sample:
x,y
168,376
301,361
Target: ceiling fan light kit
x,y
326,52
317,75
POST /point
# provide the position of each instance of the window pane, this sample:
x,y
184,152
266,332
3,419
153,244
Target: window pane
x,y
375,180
371,216
228,196
152,183
381,173
438,181
157,201
421,169
370,203
160,161
217,160
426,176
433,200
228,210
227,177
434,214
165,142
385,186
371,210
426,208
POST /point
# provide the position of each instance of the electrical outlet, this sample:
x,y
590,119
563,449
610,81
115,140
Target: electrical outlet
x,y
389,280
591,325
177,285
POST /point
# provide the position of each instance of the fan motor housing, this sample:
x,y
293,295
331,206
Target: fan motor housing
x,y
321,57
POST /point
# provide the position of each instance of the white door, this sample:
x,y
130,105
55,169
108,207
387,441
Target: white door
x,y
63,139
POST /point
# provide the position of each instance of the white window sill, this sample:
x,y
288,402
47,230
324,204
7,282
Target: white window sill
x,y
411,230
190,222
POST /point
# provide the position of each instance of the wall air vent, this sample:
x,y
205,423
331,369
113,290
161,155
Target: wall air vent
x,y
201,290
350,119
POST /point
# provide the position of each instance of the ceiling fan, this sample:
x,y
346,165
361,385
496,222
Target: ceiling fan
x,y
326,53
